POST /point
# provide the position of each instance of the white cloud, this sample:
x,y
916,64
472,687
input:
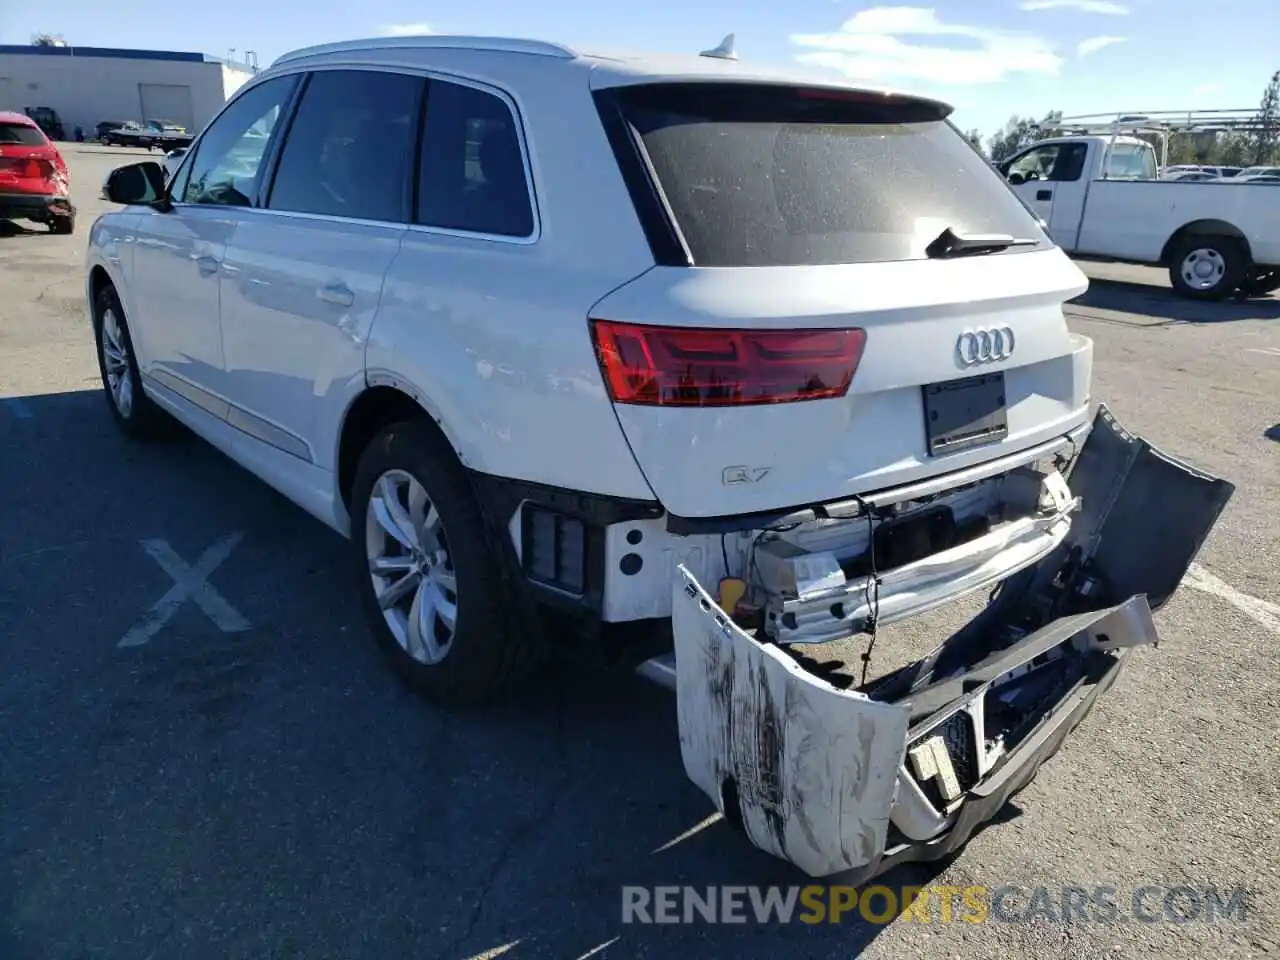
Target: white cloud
x,y
1094,44
405,30
869,47
1205,89
1084,6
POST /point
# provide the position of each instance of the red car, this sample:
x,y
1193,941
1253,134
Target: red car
x,y
34,184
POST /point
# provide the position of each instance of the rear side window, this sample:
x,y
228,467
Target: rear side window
x,y
776,176
20,133
347,152
472,171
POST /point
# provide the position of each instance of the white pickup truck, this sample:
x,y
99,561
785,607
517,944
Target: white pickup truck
x,y
1100,199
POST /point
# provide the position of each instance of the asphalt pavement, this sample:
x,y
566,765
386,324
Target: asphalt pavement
x,y
243,778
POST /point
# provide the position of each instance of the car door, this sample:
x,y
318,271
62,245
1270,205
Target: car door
x,y
179,253
303,276
1050,179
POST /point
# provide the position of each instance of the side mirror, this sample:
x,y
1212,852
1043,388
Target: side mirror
x,y
1016,178
137,183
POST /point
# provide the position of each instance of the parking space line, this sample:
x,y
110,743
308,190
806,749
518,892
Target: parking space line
x,y
1263,611
190,583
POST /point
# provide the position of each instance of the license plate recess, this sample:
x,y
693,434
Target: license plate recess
x,y
960,414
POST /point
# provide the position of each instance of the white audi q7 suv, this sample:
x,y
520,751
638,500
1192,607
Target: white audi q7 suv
x,y
726,359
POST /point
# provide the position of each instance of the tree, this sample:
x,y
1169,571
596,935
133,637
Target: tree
x,y
1266,132
975,139
48,40
1021,132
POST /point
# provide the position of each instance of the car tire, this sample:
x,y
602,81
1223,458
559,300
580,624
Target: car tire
x,y
63,225
414,582
1207,268
133,411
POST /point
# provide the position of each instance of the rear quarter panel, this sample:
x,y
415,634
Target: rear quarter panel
x,y
491,335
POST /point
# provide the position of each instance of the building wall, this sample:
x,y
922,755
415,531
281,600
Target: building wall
x,y
233,78
86,89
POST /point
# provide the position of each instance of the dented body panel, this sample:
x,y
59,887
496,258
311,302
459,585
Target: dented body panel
x,y
854,781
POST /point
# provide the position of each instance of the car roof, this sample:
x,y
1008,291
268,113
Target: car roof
x,y
608,68
8,116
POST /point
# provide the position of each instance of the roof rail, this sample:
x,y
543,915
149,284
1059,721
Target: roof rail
x,y
435,41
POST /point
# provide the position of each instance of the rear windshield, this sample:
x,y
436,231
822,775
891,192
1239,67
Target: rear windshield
x,y
21,133
775,176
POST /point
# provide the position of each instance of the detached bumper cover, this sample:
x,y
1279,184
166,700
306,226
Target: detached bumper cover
x,y
842,781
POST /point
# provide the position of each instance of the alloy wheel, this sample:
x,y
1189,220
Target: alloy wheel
x,y
410,567
118,363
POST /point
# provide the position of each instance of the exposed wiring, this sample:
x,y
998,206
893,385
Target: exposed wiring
x,y
871,591
753,571
724,552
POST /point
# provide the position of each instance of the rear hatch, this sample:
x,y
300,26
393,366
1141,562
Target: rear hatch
x,y
812,330
29,163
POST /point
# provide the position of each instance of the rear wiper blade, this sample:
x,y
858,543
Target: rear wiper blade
x,y
951,244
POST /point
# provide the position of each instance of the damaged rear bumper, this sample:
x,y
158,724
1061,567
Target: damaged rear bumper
x,y
854,781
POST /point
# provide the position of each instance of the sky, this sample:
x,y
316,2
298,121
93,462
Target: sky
x,y
991,59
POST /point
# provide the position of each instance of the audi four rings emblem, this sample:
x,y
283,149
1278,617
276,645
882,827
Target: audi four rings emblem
x,y
985,345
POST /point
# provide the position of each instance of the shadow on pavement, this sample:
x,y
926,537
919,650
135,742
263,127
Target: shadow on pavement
x,y
14,228
1163,305
273,791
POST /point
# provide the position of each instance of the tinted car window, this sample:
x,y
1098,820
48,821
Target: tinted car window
x,y
770,175
21,133
229,156
347,153
472,170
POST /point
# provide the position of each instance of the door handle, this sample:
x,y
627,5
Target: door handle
x,y
338,294
1044,194
206,264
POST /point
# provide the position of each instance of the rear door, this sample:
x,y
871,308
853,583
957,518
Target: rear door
x,y
303,277
811,346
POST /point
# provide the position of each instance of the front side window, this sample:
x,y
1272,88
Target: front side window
x,y
763,175
472,171
229,157
1061,162
348,150
1036,163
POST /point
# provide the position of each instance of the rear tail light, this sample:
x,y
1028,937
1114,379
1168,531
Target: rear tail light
x,y
700,367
